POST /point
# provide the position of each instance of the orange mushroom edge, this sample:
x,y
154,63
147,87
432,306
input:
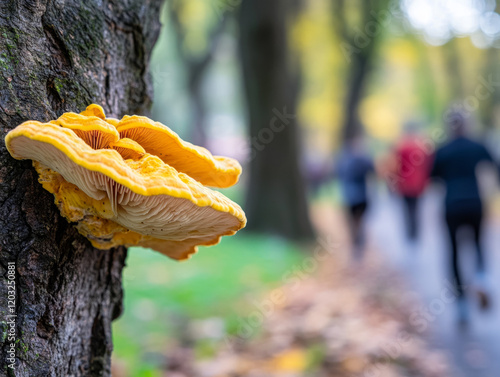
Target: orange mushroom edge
x,y
131,182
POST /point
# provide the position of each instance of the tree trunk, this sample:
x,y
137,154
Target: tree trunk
x,y
196,67
276,200
430,96
454,69
360,44
359,72
488,109
58,56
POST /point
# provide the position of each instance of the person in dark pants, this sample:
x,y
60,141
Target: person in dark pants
x,y
352,168
411,206
455,163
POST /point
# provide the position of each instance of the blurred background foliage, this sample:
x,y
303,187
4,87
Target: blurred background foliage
x,y
411,68
167,301
353,65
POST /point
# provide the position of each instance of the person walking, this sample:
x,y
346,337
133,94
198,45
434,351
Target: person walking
x,y
353,167
455,164
411,177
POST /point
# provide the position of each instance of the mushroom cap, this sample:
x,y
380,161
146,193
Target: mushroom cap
x,y
128,149
123,202
97,133
94,110
195,161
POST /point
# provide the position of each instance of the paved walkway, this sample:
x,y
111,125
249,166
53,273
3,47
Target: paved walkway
x,y
476,350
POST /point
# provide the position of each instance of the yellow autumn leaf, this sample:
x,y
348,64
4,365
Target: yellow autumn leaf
x,y
292,360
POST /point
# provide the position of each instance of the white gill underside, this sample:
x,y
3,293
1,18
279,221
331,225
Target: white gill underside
x,y
160,216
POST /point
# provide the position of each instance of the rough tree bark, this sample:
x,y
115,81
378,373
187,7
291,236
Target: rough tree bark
x,y
276,200
57,56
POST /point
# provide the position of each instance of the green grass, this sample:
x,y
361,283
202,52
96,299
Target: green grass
x,y
162,296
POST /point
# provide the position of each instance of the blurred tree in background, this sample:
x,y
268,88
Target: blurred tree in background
x,y
276,199
491,67
360,31
195,57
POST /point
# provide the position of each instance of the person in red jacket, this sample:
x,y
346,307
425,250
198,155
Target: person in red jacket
x,y
413,164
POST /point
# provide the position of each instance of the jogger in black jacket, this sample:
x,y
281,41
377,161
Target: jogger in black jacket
x,y
455,163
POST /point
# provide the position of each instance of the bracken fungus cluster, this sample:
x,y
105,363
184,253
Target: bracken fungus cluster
x,y
131,182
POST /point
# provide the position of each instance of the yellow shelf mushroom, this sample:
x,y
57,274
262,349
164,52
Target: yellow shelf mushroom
x,y
128,148
118,191
195,161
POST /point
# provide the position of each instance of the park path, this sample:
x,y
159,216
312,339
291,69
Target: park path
x,y
474,351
